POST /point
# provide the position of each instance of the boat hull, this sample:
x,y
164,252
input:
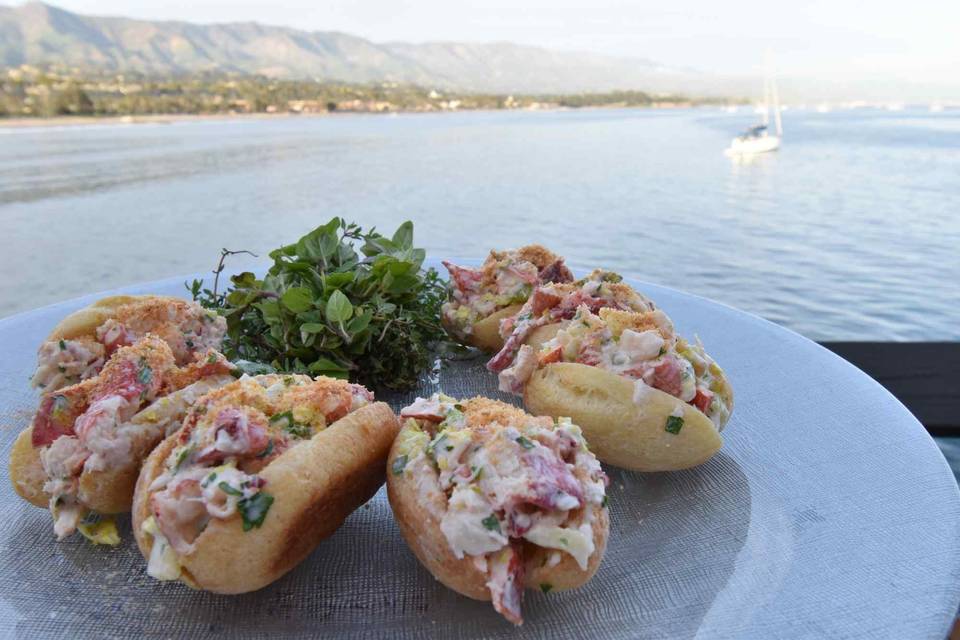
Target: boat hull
x,y
763,144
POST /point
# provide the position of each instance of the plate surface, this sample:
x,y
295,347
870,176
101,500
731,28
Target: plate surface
x,y
828,513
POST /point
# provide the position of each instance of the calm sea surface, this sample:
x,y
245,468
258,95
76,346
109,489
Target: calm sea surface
x,y
851,231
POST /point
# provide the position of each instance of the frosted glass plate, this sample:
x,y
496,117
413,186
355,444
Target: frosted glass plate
x,y
829,513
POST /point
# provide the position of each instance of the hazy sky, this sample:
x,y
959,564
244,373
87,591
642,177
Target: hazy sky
x,y
919,40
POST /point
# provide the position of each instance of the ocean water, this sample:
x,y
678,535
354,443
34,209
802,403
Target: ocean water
x,y
850,231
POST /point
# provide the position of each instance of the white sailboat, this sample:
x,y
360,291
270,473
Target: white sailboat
x,y
758,139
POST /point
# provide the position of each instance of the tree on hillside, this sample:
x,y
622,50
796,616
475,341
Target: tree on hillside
x,y
69,101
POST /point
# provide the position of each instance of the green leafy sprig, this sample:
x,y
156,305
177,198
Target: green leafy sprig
x,y
324,307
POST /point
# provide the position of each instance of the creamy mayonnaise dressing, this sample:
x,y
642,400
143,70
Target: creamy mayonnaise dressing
x,y
102,424
64,362
506,278
556,303
229,435
528,479
641,346
185,326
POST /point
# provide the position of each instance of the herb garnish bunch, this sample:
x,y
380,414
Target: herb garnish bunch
x,y
324,307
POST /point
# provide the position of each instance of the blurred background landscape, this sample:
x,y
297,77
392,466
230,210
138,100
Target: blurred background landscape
x,y
137,140
63,62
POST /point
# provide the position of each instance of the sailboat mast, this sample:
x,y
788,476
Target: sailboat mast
x,y
776,106
766,101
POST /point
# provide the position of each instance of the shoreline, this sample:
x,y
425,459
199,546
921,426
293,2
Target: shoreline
x,y
173,118
156,118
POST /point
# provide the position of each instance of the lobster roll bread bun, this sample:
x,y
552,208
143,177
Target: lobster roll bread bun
x,y
492,500
116,377
480,299
82,452
81,343
646,399
262,470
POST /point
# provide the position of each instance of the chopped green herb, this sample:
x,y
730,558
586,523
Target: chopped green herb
x,y
453,416
209,480
300,431
523,442
604,502
182,457
287,416
564,542
432,447
291,426
546,587
674,424
399,464
266,451
254,509
144,373
212,358
230,491
491,523
63,345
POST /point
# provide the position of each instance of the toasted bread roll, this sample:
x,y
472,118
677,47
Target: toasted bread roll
x,y
270,488
109,490
541,335
622,432
645,399
485,334
84,322
26,471
479,299
492,500
83,449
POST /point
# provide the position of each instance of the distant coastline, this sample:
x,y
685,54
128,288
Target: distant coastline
x,y
37,122
157,118
69,96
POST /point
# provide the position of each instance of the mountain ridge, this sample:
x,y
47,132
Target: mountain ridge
x,y
38,33
41,34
